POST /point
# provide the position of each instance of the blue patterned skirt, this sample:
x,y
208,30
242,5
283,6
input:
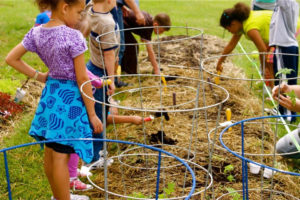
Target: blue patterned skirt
x,y
61,114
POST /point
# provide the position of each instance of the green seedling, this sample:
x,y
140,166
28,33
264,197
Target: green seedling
x,y
138,195
234,194
167,191
292,96
284,71
228,169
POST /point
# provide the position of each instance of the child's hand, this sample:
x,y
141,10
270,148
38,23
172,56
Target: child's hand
x,y
43,77
112,88
286,102
283,88
96,124
140,19
156,71
136,120
219,67
125,11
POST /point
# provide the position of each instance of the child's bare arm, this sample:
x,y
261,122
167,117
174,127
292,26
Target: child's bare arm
x,y
152,57
228,49
109,60
81,76
124,119
14,59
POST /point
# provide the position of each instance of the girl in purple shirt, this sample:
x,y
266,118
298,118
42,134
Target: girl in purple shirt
x,y
63,112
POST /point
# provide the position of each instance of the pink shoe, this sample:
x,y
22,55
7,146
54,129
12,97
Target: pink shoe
x,y
76,184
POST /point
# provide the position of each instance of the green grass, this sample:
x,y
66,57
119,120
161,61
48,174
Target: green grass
x,y
17,17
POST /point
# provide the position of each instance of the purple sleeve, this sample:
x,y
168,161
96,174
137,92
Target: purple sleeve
x,y
77,44
28,41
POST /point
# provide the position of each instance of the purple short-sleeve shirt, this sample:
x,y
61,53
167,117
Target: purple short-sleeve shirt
x,y
57,47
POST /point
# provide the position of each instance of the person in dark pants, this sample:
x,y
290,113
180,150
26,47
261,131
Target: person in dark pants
x,y
129,61
263,4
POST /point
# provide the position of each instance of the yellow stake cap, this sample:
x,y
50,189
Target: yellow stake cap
x,y
228,116
119,70
107,82
164,82
217,78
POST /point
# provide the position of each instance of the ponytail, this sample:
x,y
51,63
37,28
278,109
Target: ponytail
x,y
239,12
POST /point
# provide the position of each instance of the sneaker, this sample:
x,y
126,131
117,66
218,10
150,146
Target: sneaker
x,y
77,185
121,84
79,197
272,111
84,171
100,163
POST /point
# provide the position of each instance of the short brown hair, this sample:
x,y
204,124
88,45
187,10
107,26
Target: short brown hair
x,y
163,19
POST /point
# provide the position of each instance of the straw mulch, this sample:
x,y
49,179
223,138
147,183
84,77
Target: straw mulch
x,y
190,129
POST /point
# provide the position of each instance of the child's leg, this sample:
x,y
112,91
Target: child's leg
x,y
48,160
73,164
56,169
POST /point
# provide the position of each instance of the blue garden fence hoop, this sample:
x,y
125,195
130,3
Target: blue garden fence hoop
x,y
160,151
246,160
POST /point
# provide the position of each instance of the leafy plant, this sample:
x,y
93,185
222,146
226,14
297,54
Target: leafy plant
x,y
227,170
167,191
284,71
292,96
230,178
234,194
138,195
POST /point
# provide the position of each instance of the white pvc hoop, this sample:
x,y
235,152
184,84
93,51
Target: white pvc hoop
x,y
243,79
192,164
152,42
150,87
124,154
225,96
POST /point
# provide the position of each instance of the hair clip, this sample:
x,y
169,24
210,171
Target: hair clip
x,y
227,17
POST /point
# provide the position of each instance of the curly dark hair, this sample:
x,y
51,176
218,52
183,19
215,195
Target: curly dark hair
x,y
43,4
239,12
